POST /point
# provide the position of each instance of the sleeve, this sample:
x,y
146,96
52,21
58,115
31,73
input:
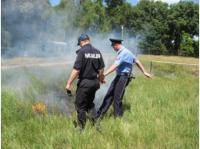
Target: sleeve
x,y
118,60
79,61
134,58
101,62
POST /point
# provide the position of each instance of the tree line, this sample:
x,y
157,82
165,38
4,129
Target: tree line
x,y
162,28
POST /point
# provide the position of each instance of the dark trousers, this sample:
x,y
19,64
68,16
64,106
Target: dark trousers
x,y
85,95
114,95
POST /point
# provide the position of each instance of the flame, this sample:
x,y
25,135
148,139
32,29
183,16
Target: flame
x,y
39,107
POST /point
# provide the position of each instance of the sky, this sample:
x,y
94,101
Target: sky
x,y
56,2
133,2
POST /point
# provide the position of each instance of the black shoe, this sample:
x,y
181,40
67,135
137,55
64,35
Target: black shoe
x,y
97,115
76,124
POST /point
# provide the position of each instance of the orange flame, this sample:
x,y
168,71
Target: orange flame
x,y
39,107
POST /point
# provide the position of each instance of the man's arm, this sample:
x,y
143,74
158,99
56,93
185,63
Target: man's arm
x,y
111,69
75,71
73,76
101,69
141,67
101,76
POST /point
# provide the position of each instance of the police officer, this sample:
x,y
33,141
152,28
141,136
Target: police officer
x,y
123,66
89,68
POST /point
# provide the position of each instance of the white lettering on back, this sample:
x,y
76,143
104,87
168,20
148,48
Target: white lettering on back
x,y
92,55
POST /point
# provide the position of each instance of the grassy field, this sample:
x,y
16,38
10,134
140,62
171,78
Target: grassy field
x,y
158,113
175,59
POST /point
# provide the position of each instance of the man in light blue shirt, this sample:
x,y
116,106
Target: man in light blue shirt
x,y
123,66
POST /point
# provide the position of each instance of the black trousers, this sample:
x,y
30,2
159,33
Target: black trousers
x,y
85,95
114,95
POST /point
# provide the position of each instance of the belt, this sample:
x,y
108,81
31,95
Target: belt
x,y
91,78
124,74
131,76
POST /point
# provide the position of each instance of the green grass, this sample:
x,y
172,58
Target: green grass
x,y
158,113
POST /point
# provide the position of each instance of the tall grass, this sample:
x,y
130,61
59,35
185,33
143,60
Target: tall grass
x,y
158,113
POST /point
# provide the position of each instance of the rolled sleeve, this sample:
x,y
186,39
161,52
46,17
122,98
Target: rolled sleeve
x,y
134,58
79,61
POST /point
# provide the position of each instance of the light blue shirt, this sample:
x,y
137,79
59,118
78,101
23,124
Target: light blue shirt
x,y
124,61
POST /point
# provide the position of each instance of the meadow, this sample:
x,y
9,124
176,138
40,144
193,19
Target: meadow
x,y
158,113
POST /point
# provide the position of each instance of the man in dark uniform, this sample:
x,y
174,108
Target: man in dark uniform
x,y
123,65
89,68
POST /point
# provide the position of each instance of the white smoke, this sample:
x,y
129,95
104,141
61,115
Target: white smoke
x,y
53,41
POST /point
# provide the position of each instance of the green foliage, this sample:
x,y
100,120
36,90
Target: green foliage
x,y
183,17
114,3
66,12
159,25
92,16
187,45
196,48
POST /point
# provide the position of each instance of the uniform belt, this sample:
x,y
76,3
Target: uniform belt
x,y
130,76
91,78
125,74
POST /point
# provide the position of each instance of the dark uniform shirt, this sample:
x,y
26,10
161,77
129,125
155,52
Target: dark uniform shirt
x,y
89,61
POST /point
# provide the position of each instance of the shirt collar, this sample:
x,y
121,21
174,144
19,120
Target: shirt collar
x,y
120,50
83,47
88,44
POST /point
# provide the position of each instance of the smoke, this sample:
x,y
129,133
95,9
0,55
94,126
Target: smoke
x,y
33,30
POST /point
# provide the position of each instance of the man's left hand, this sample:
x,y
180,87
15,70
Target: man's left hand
x,y
148,75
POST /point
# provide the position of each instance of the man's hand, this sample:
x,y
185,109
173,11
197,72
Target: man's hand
x,y
102,79
68,87
102,76
148,75
73,76
141,67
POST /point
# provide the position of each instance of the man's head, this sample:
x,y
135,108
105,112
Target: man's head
x,y
116,44
83,40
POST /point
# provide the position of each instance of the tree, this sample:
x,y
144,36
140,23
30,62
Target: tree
x,y
23,19
92,16
162,28
149,21
187,46
183,17
114,3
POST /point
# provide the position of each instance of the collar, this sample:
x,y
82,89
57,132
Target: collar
x,y
120,50
88,44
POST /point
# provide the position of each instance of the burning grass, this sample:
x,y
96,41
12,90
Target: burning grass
x,y
39,107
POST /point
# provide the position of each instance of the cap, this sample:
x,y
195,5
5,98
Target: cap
x,y
82,37
115,41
